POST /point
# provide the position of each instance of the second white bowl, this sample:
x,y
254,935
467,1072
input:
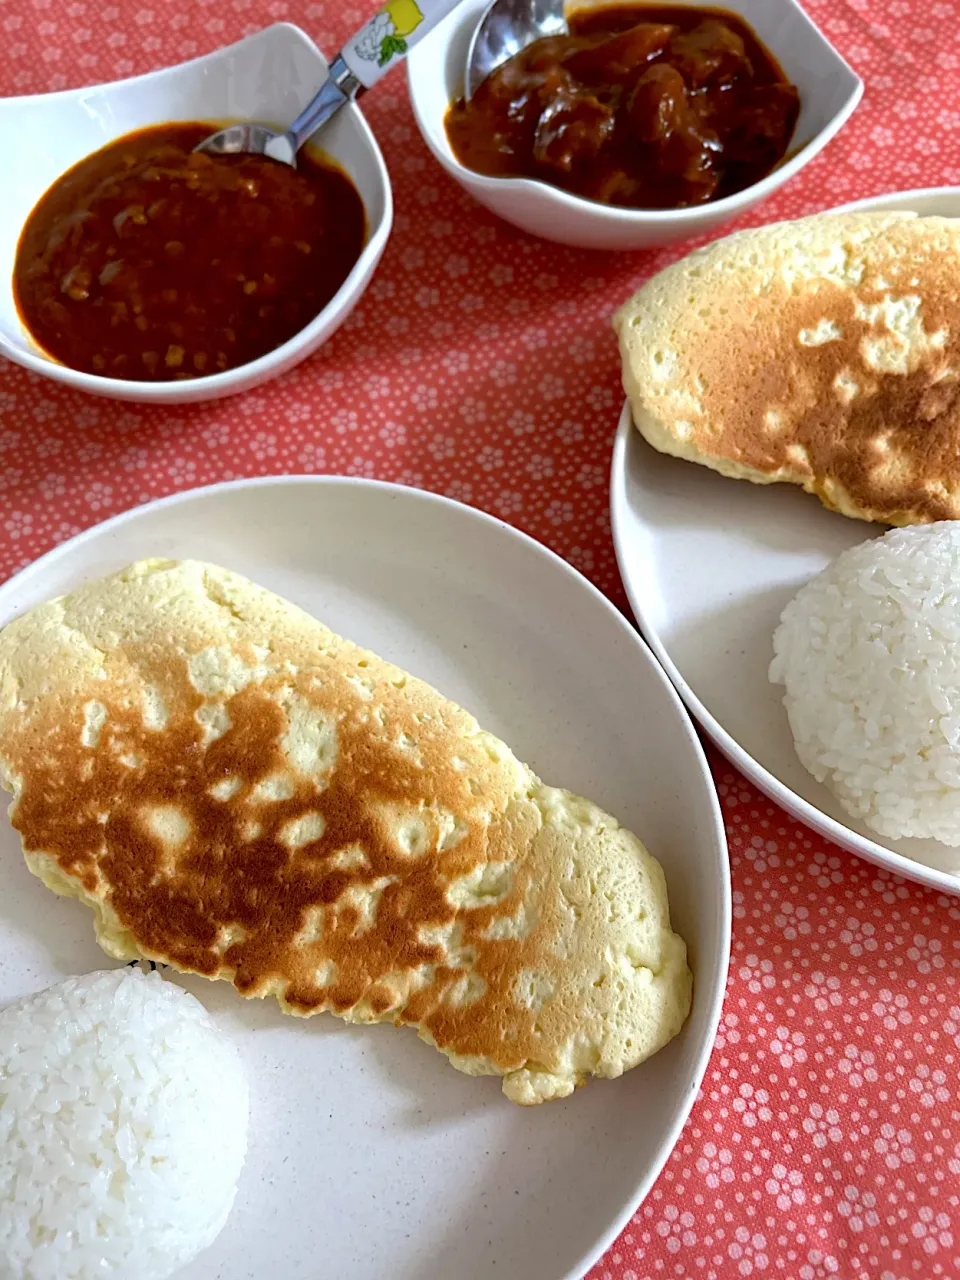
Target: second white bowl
x,y
829,92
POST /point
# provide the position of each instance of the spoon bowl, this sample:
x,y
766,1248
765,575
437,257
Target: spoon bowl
x,y
250,137
340,87
506,27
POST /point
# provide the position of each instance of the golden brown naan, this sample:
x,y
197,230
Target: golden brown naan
x,y
823,352
240,793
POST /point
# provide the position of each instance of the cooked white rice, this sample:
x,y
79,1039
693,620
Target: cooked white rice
x,y
123,1129
869,653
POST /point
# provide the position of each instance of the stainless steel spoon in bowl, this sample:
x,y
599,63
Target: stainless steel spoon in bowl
x,y
506,27
369,54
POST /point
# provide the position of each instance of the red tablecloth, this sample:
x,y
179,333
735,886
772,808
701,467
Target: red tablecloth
x,y
826,1140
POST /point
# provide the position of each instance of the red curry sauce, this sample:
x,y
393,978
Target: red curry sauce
x,y
151,262
643,106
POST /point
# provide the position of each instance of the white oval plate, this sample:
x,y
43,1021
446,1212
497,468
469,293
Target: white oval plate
x,y
709,564
370,1156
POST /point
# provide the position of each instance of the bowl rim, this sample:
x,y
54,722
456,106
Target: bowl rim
x,y
712,210
272,362
81,89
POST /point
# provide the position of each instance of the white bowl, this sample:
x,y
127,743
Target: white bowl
x,y
269,77
829,92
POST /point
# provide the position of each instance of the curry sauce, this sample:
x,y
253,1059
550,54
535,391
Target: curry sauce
x,y
643,106
152,262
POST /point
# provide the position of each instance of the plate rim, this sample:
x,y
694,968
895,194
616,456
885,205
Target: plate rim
x,y
802,810
715,995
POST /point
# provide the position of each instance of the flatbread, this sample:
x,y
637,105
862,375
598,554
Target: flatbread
x,y
238,792
823,352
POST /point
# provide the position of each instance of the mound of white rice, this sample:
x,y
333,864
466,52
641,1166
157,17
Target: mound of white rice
x,y
869,653
123,1129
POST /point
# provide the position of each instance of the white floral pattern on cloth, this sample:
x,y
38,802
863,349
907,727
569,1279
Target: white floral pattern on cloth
x,y
480,364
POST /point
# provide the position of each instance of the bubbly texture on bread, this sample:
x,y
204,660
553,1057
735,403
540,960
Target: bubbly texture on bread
x,y
823,352
239,792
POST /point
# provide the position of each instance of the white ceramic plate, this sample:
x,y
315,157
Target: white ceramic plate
x,y
370,1157
709,565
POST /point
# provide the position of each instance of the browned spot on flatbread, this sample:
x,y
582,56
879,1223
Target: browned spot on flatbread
x,y
220,879
917,412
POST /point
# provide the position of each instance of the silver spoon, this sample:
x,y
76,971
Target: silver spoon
x,y
506,27
369,54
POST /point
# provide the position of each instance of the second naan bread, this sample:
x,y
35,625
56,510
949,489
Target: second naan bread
x,y
823,352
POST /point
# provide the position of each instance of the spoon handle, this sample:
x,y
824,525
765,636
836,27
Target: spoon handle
x,y
390,35
340,86
385,40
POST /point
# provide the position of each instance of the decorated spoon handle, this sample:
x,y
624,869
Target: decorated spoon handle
x,y
367,55
390,35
